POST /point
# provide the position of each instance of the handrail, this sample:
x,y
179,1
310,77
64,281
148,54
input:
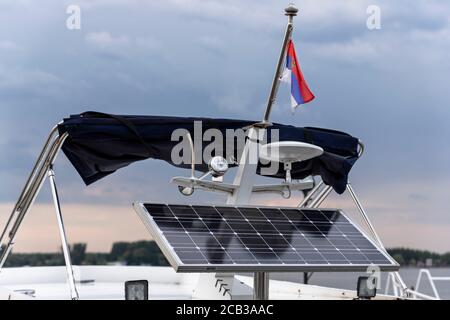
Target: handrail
x,y
431,280
414,293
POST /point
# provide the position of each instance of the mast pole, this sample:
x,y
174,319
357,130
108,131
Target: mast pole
x,y
290,12
261,279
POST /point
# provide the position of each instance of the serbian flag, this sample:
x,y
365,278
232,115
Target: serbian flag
x,y
300,92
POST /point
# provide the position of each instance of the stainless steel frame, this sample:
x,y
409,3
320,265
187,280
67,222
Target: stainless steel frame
x,y
310,194
42,168
314,201
30,191
363,213
62,232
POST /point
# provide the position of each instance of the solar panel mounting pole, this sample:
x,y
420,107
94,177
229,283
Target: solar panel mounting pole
x,y
290,12
261,286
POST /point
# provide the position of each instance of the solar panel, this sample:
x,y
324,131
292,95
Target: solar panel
x,y
198,238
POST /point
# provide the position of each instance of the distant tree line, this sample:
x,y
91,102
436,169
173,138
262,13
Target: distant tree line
x,y
418,258
148,253
126,253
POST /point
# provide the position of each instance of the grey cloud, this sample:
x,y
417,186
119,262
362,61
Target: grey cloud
x,y
106,40
7,45
212,43
417,197
34,80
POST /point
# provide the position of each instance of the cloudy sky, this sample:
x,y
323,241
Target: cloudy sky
x,y
389,87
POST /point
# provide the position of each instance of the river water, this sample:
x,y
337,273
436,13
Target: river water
x,y
346,280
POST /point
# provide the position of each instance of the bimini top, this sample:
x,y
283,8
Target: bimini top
x,y
98,144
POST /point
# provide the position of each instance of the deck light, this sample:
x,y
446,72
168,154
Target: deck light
x,y
367,288
136,290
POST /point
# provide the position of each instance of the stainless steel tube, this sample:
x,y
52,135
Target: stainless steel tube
x,y
290,12
62,233
321,197
261,286
310,194
30,191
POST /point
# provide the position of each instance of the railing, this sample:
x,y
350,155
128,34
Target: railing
x,y
431,280
396,287
395,282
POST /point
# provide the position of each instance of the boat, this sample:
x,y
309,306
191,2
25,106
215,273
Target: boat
x,y
224,251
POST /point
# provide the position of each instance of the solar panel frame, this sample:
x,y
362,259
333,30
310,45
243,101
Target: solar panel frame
x,y
179,266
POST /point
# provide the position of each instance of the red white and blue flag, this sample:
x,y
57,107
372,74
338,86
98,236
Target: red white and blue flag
x,y
300,92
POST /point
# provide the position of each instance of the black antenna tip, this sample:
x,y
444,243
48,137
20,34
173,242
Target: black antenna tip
x,y
291,10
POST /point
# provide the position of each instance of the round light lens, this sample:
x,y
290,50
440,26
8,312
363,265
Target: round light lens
x,y
218,165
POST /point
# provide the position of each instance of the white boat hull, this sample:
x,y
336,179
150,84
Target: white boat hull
x,y
107,282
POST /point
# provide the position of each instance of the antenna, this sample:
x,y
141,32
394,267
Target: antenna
x,y
290,12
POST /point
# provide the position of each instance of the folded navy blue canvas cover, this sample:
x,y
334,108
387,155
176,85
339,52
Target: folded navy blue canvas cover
x,y
98,144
